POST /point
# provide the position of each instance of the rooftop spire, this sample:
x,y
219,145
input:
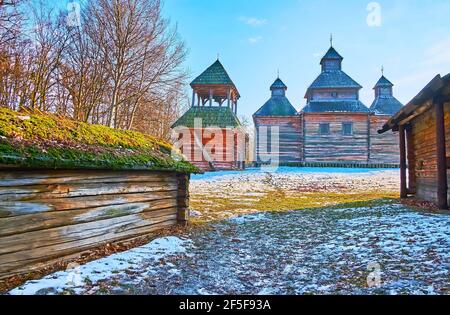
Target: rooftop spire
x,y
331,39
382,70
278,73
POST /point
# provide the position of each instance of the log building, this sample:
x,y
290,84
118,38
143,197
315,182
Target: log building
x,y
74,188
334,128
424,136
210,134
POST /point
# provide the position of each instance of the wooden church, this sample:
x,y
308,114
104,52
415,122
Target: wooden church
x,y
278,118
334,127
210,134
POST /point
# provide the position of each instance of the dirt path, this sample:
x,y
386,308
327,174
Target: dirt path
x,y
353,240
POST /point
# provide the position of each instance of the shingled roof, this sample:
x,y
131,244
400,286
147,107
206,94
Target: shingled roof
x,y
276,106
340,106
278,84
334,79
222,117
331,54
383,82
385,105
213,75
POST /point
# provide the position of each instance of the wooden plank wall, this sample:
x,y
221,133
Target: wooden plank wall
x,y
384,148
336,146
45,215
424,148
227,149
290,138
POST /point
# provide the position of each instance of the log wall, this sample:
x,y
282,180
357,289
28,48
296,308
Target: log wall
x,y
336,146
424,153
384,148
48,215
290,138
225,149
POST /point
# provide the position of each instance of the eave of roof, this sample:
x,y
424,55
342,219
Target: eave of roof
x,y
338,106
434,88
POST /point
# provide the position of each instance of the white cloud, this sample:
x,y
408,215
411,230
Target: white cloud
x,y
252,21
255,40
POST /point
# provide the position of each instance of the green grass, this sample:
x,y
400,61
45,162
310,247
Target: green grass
x,y
42,140
217,208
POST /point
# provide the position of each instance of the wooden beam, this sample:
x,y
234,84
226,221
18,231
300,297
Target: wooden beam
x,y
210,97
411,160
442,183
193,97
403,187
229,98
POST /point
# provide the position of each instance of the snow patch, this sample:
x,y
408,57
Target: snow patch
x,y
76,278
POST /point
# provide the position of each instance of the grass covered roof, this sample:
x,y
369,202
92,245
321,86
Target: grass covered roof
x,y
41,140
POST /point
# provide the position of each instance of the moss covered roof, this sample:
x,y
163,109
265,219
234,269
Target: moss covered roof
x,y
38,140
222,117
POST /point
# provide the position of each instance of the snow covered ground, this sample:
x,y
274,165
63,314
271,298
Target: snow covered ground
x,y
380,249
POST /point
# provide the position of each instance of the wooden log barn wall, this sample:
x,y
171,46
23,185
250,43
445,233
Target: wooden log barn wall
x,y
62,201
424,136
46,215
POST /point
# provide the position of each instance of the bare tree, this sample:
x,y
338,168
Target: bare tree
x,y
142,55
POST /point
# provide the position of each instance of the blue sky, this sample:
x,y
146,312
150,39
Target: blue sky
x,y
256,37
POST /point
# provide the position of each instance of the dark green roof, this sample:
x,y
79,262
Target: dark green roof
x,y
214,75
334,79
222,117
335,107
386,105
383,82
276,106
278,84
331,54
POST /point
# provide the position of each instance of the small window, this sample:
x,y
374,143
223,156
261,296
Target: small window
x,y
347,129
334,94
324,129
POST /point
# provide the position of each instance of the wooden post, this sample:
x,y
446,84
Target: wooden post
x,y
210,97
229,98
403,187
235,106
193,97
183,198
441,157
411,160
198,100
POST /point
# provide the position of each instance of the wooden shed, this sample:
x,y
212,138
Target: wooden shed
x,y
424,128
68,187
